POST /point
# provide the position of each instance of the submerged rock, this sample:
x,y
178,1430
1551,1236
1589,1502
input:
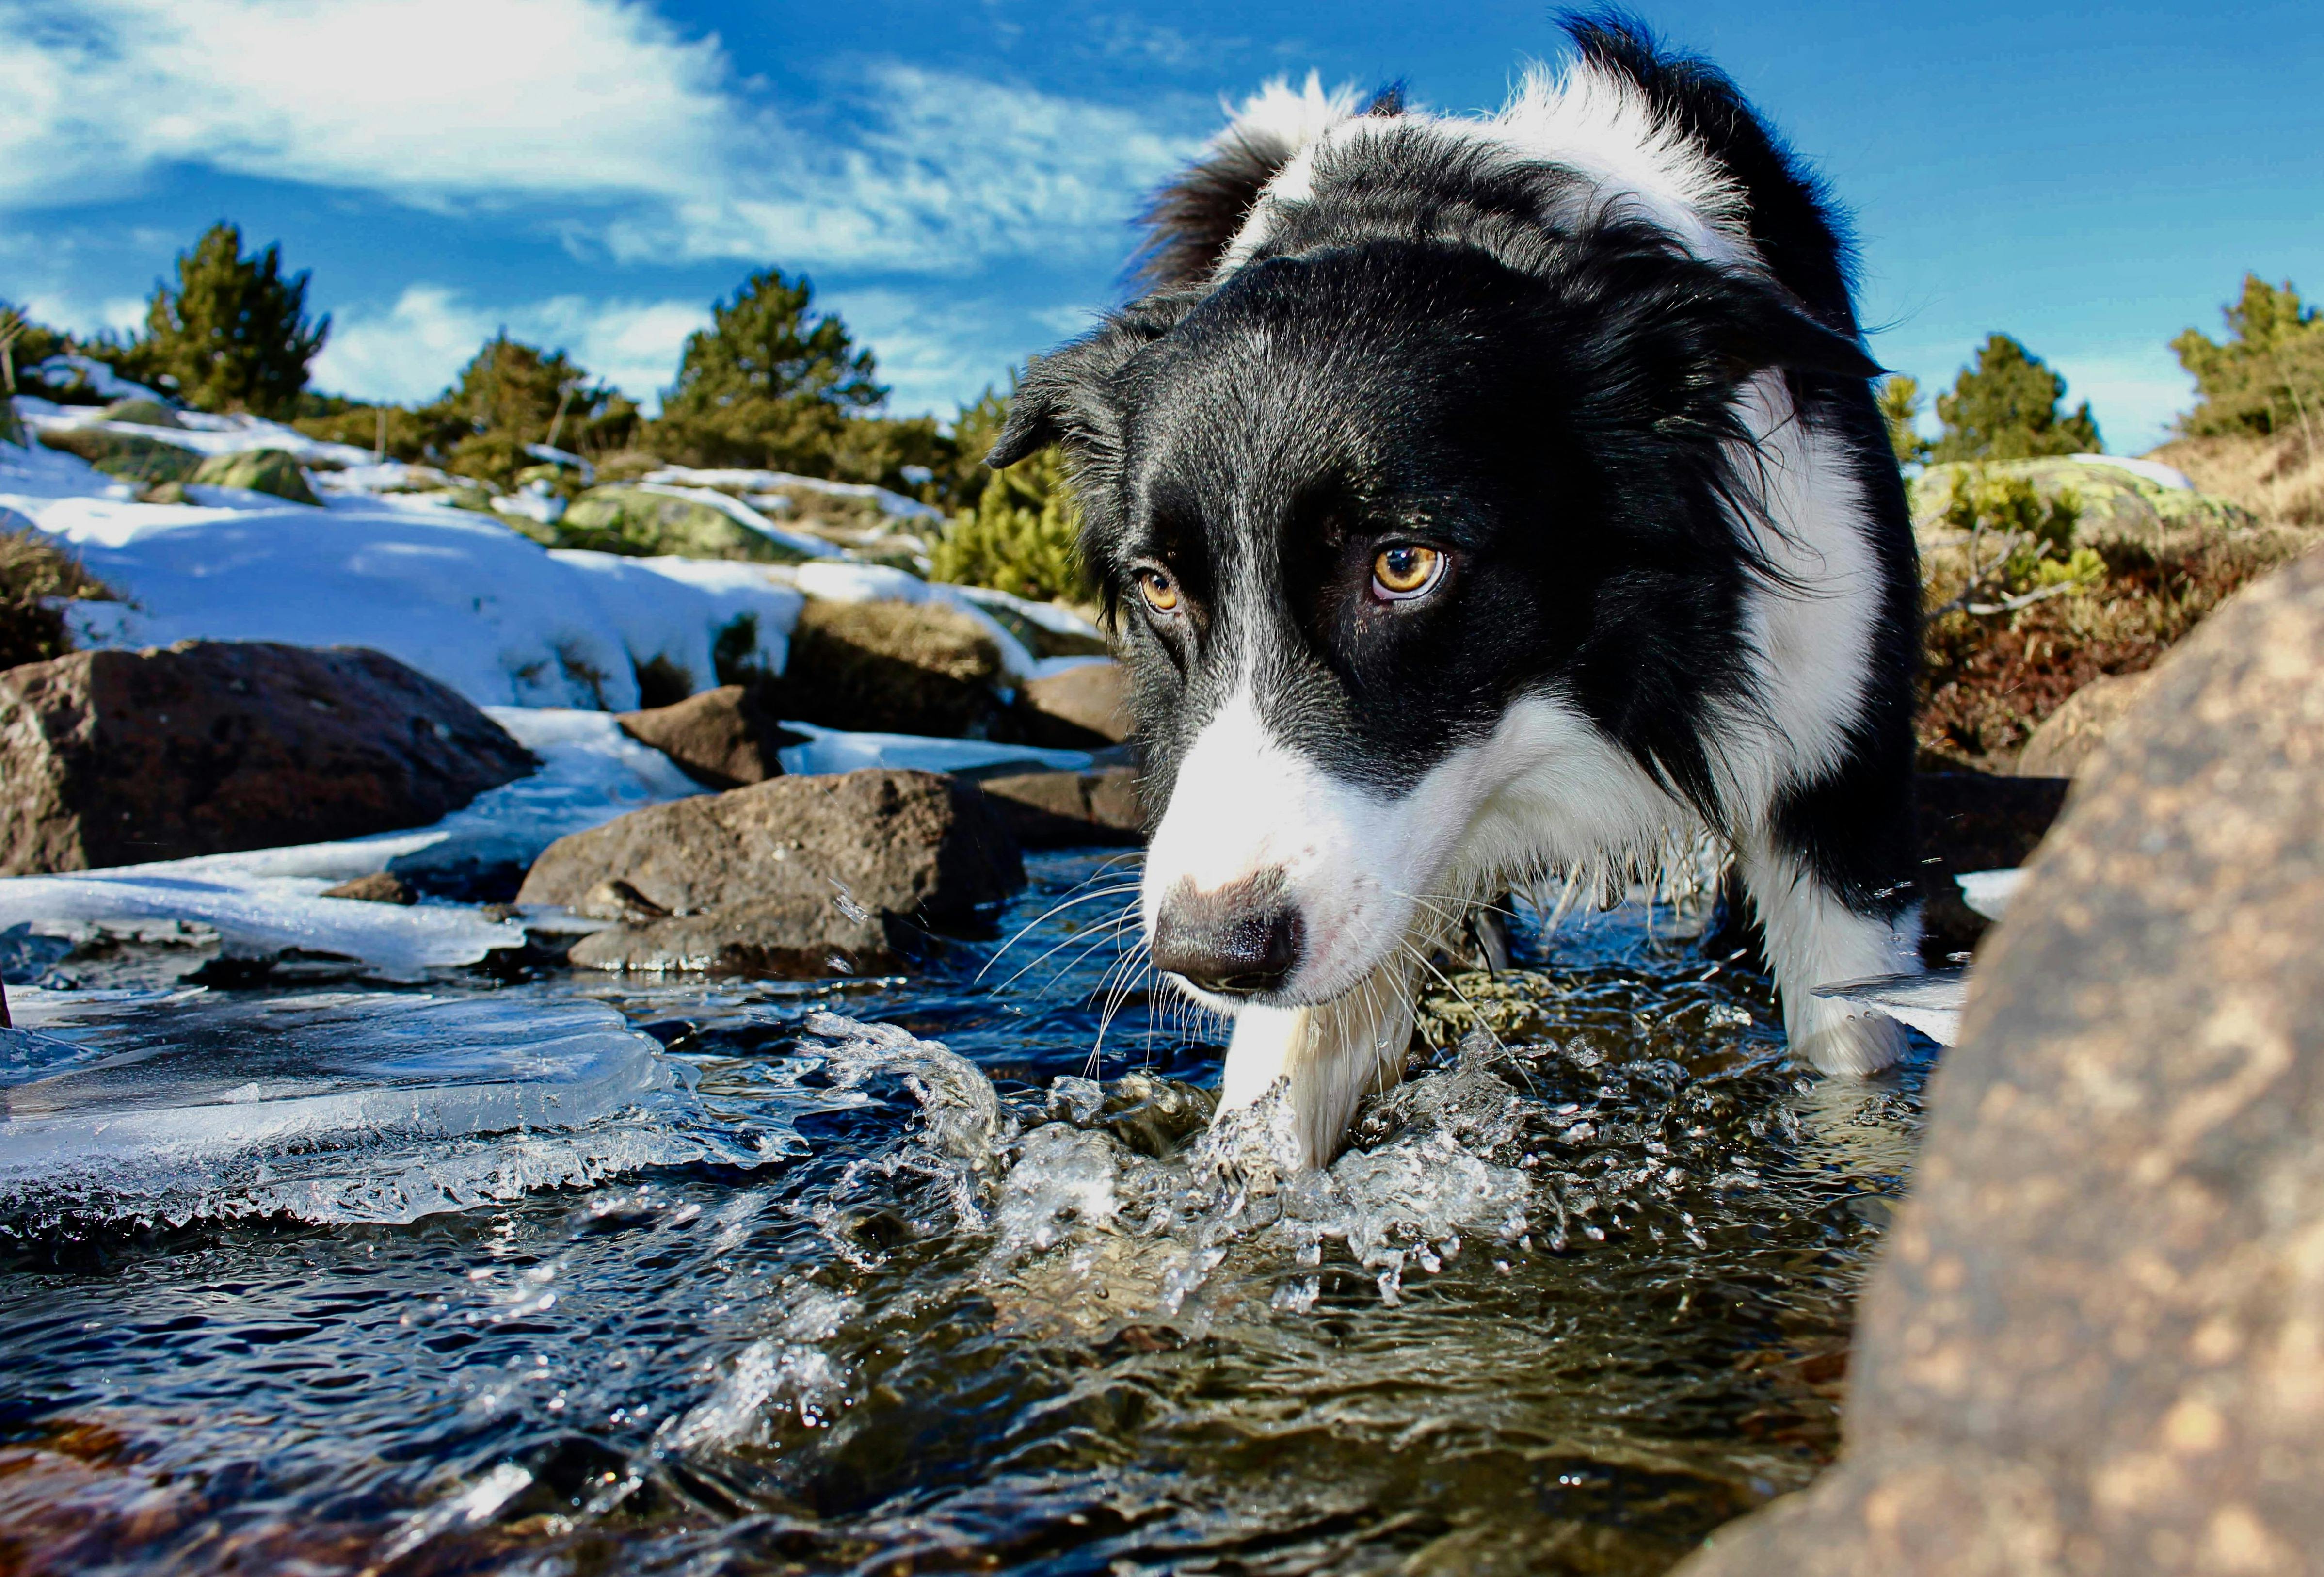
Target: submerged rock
x,y
2093,1345
777,876
722,738
2068,737
116,758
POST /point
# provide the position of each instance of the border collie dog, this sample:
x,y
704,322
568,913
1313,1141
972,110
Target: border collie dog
x,y
1481,499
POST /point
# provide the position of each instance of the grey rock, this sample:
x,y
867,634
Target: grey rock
x,y
2096,1341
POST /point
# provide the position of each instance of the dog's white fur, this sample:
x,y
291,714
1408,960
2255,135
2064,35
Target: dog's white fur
x,y
1380,881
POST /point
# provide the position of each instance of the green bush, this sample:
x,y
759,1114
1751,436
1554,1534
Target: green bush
x,y
1024,536
2268,377
2005,408
2035,534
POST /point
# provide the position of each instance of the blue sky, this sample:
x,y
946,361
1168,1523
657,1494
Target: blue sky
x,y
956,178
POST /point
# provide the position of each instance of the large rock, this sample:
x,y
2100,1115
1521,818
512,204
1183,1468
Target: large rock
x,y
1081,708
1064,810
2096,1341
638,521
773,877
2112,501
115,758
722,738
275,470
890,668
126,457
2069,736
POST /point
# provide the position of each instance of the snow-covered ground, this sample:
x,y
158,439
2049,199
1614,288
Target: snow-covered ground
x,y
456,595
549,640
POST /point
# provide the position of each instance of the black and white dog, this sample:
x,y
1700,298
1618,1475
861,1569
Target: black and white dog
x,y
1488,498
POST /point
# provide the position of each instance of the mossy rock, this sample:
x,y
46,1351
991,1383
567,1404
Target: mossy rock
x,y
644,523
142,412
2114,503
890,668
273,471
129,457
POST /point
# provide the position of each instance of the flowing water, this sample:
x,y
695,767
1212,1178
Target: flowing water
x,y
885,1276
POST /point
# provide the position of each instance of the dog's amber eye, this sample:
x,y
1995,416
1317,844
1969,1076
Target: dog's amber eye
x,y
1406,570
1161,593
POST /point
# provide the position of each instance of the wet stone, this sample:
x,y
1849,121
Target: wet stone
x,y
2092,1346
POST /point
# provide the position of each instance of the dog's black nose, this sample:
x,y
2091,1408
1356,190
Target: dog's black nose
x,y
1237,941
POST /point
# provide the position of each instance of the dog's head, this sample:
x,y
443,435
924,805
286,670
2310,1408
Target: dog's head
x,y
1377,522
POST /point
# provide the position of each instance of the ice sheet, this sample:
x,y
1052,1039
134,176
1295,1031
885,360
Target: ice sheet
x,y
340,1106
1931,1003
267,900
828,750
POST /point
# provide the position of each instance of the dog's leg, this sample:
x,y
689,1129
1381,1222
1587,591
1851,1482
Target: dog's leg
x,y
1332,1057
1814,939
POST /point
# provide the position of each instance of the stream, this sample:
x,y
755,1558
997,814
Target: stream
x,y
568,1273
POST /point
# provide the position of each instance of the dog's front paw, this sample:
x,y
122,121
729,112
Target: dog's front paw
x,y
1854,1044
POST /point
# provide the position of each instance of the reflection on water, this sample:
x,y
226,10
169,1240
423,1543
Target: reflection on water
x,y
1578,1294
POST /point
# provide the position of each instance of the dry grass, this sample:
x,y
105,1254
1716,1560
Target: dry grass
x,y
1990,680
35,575
2279,478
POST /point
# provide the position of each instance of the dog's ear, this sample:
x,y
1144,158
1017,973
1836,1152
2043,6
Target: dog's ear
x,y
1769,328
1066,396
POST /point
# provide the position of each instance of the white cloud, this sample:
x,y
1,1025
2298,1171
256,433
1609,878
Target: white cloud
x,y
414,349
598,103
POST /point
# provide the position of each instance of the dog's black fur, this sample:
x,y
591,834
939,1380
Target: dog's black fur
x,y
1446,345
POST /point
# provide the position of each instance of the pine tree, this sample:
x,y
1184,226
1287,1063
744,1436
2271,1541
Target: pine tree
x,y
2005,408
1900,407
2269,376
512,395
234,334
767,384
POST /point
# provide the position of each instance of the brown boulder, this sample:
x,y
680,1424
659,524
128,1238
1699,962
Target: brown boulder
x,y
115,758
2068,737
2093,1344
378,887
1064,810
890,668
720,738
1081,708
781,874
